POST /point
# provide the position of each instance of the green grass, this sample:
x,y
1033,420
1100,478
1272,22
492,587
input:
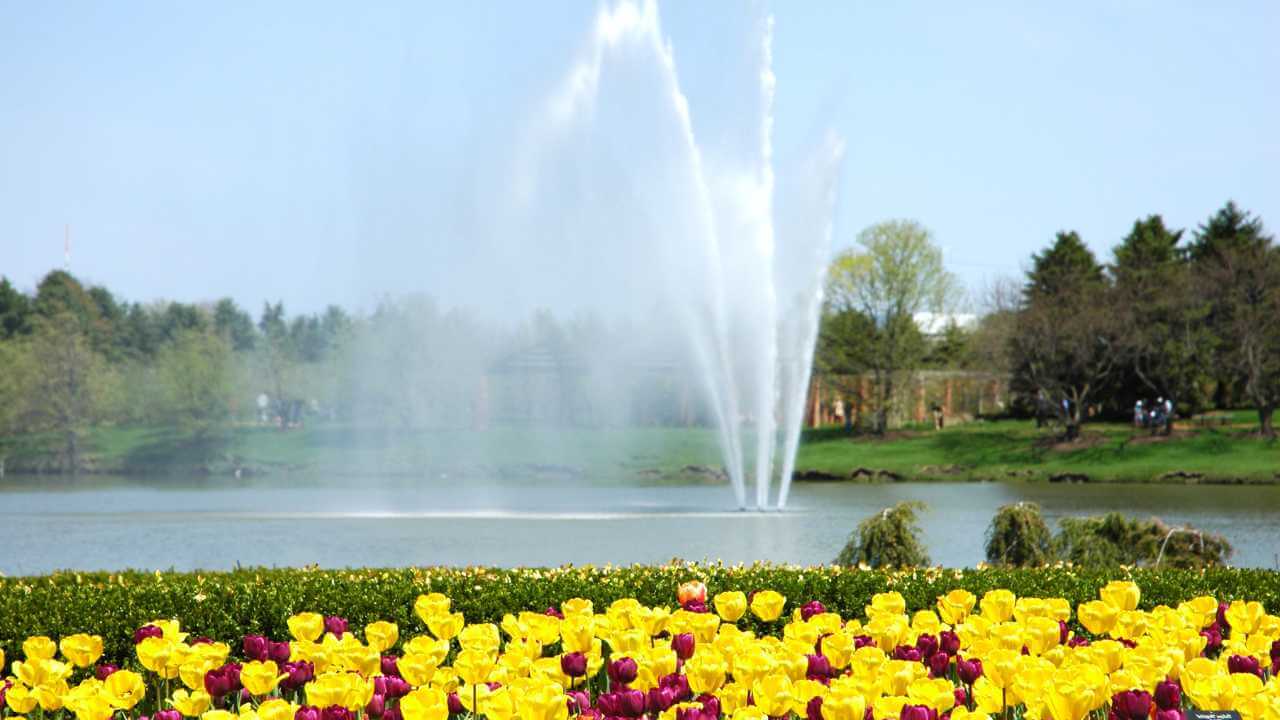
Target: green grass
x,y
998,450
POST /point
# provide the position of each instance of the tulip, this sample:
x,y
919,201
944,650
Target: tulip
x,y
731,606
389,665
1131,705
811,608
862,641
552,611
392,714
146,631
918,712
1222,615
939,663
377,705
397,687
1168,695
1213,639
622,671
336,712
455,704
1275,652
573,664
767,605
710,705
1244,664
696,606
962,697
813,709
906,652
167,715
337,626
659,699
684,645
299,673
949,642
678,684
579,700
691,591
104,671
256,648
968,670
307,712
278,651
1169,715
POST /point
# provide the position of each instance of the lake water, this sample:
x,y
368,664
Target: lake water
x,y
116,523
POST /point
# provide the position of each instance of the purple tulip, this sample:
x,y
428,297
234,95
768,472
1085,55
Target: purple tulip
x,y
968,670
202,640
861,641
695,606
390,665
1168,695
297,674
336,712
917,712
1131,705
167,715
939,663
103,671
377,705
683,644
632,702
336,625
217,682
679,684
622,670
927,645
279,652
710,705
1213,639
579,700
1222,617
813,710
906,652
659,699
392,714
1064,632
693,714
1247,664
397,687
256,648
573,664
962,696
1169,715
811,608
1078,641
819,667
949,642
307,712
145,632
1275,652
455,704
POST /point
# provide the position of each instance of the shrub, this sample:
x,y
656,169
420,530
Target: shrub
x,y
890,538
1111,540
1019,537
227,605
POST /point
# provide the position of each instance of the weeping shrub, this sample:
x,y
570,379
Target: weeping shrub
x,y
890,538
1111,540
1019,537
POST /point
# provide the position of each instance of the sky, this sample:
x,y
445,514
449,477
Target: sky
x,y
318,152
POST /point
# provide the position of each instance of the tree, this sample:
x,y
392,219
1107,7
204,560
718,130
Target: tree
x,y
896,273
70,384
235,325
890,538
1019,537
1163,335
195,375
1064,346
15,311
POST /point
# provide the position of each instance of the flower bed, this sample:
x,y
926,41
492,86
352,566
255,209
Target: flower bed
x,y
698,656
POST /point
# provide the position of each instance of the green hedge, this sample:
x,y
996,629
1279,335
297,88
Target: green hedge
x,y
227,605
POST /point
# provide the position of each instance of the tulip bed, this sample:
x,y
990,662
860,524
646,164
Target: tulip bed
x,y
702,654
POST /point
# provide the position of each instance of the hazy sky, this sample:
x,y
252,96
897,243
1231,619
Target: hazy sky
x,y
333,152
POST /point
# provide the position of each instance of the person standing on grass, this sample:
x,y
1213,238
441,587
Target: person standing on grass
x,y
1138,417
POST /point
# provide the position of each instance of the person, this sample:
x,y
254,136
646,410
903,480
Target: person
x,y
839,411
936,409
1168,416
1138,417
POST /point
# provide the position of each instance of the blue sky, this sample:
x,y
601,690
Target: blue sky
x,y
326,152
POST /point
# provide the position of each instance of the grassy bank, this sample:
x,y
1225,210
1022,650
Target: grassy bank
x,y
1008,450
228,605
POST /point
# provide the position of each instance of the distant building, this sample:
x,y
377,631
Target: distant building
x,y
933,325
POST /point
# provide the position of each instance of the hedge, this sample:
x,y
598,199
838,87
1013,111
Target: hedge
x,y
227,605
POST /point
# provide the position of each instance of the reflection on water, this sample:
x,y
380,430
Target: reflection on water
x,y
116,523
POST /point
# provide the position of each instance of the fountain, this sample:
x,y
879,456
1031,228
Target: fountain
x,y
708,230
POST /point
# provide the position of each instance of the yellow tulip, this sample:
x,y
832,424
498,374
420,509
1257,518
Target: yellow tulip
x,y
261,678
576,633
191,704
307,626
1121,594
891,603
1041,634
92,708
431,605
731,606
124,689
749,712
938,694
276,709
773,694
483,637
381,635
1243,617
423,645
997,605
39,647
1201,611
82,650
473,666
576,606
844,706
706,672
425,704
1066,703
218,715
1098,617
446,626
888,707
19,699
545,702
955,606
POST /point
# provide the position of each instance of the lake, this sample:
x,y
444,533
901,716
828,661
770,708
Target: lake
x,y
183,524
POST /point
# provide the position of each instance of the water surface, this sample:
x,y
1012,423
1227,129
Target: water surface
x,y
116,523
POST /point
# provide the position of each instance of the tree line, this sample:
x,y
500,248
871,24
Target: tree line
x,y
1189,317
